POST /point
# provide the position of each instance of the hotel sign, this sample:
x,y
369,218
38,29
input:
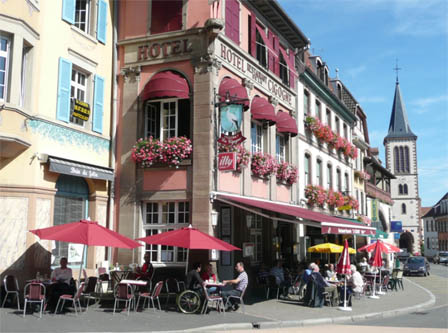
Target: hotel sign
x,y
244,65
163,49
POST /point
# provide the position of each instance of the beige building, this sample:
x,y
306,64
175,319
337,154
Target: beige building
x,y
56,70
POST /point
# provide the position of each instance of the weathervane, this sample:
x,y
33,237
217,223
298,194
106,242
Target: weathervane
x,y
396,69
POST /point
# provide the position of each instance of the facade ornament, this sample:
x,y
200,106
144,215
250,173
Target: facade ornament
x,y
131,73
206,64
273,100
214,26
248,83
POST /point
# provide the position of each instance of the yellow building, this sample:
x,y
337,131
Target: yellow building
x,y
56,69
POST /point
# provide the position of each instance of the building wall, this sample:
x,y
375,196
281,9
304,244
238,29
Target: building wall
x,y
431,240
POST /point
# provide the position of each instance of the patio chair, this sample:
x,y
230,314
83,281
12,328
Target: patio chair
x,y
74,299
124,292
272,284
172,288
90,287
385,283
397,280
215,299
103,279
239,298
34,293
154,296
12,288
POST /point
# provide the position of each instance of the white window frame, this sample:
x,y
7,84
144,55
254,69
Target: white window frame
x,y
259,144
319,178
307,173
329,173
256,237
163,131
6,54
88,11
78,87
23,75
283,70
280,148
162,224
259,46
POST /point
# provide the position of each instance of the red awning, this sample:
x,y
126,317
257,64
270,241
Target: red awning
x,y
329,224
261,109
166,84
235,91
286,123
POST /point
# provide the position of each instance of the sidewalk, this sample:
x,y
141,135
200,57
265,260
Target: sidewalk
x,y
262,314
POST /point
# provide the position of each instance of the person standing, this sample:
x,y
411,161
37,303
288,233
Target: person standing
x,y
240,284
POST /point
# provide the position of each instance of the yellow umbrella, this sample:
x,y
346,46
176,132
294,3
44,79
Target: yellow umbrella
x,y
329,248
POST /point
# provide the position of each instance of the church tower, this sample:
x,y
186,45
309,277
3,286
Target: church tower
x,y
401,160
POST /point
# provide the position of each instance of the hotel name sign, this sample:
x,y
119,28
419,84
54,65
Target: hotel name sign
x,y
246,68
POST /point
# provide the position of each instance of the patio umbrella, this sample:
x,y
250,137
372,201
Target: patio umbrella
x,y
376,261
88,233
343,267
384,247
329,248
189,238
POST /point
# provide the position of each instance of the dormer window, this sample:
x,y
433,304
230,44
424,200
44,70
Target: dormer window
x,y
326,76
261,50
339,87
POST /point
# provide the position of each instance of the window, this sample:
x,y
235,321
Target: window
x,y
326,76
232,20
167,118
306,103
317,110
357,198
4,66
284,72
400,189
405,189
82,15
401,159
319,172
261,50
78,90
159,217
339,90
338,180
406,159
307,169
329,176
166,16
336,123
346,183
256,237
329,118
24,74
345,131
280,151
257,137
362,203
403,208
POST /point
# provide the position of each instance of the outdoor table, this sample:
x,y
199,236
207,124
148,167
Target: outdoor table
x,y
217,285
135,282
118,276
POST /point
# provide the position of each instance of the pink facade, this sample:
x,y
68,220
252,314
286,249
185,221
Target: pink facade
x,y
163,180
230,182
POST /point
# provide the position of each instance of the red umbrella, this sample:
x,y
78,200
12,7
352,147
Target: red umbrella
x,y
86,232
376,261
384,247
189,238
343,267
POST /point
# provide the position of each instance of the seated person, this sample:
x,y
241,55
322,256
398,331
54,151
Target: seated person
x,y
263,274
240,284
194,280
305,277
331,273
364,265
147,270
327,287
63,284
278,273
208,275
355,281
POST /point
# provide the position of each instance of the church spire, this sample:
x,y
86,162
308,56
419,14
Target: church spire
x,y
399,123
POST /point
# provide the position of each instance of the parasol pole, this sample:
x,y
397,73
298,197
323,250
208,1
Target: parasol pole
x,y
82,263
186,264
374,287
381,292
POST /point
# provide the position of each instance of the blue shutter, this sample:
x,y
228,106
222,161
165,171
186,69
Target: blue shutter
x,y
98,104
64,82
101,21
68,11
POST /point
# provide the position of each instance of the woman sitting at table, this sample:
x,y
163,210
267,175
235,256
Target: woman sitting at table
x,y
208,276
331,273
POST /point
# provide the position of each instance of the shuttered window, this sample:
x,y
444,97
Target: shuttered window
x,y
98,104
233,20
64,84
166,16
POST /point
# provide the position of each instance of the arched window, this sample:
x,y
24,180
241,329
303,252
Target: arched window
x,y
400,189
261,51
403,208
319,172
401,159
338,180
284,72
406,159
329,176
405,189
307,169
396,160
346,182
339,91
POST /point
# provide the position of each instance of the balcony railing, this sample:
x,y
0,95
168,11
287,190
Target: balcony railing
x,y
378,193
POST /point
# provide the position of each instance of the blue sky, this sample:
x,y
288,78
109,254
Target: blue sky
x,y
362,38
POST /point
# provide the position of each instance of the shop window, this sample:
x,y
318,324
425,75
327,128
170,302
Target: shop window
x,y
280,151
78,90
82,15
233,20
167,118
166,16
160,217
319,172
307,170
256,237
329,176
4,66
284,71
257,136
306,103
261,51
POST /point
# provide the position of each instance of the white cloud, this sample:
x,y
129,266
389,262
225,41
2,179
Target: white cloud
x,y
355,71
425,102
372,99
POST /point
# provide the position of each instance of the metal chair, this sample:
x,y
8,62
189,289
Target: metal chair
x,y
215,299
124,292
272,284
74,299
172,288
11,287
34,293
90,287
155,295
240,298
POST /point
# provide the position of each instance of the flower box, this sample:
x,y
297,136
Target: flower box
x,y
263,165
242,154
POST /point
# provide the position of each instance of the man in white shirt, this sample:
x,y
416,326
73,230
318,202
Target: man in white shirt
x,y
62,274
240,283
62,277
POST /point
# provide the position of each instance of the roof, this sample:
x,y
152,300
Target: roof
x,y
424,210
377,166
433,210
399,123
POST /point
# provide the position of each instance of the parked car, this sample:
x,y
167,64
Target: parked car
x,y
416,265
441,258
403,255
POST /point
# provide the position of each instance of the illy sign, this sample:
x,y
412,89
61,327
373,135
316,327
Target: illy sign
x,y
227,161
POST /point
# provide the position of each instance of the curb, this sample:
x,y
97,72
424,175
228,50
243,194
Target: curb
x,y
319,321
